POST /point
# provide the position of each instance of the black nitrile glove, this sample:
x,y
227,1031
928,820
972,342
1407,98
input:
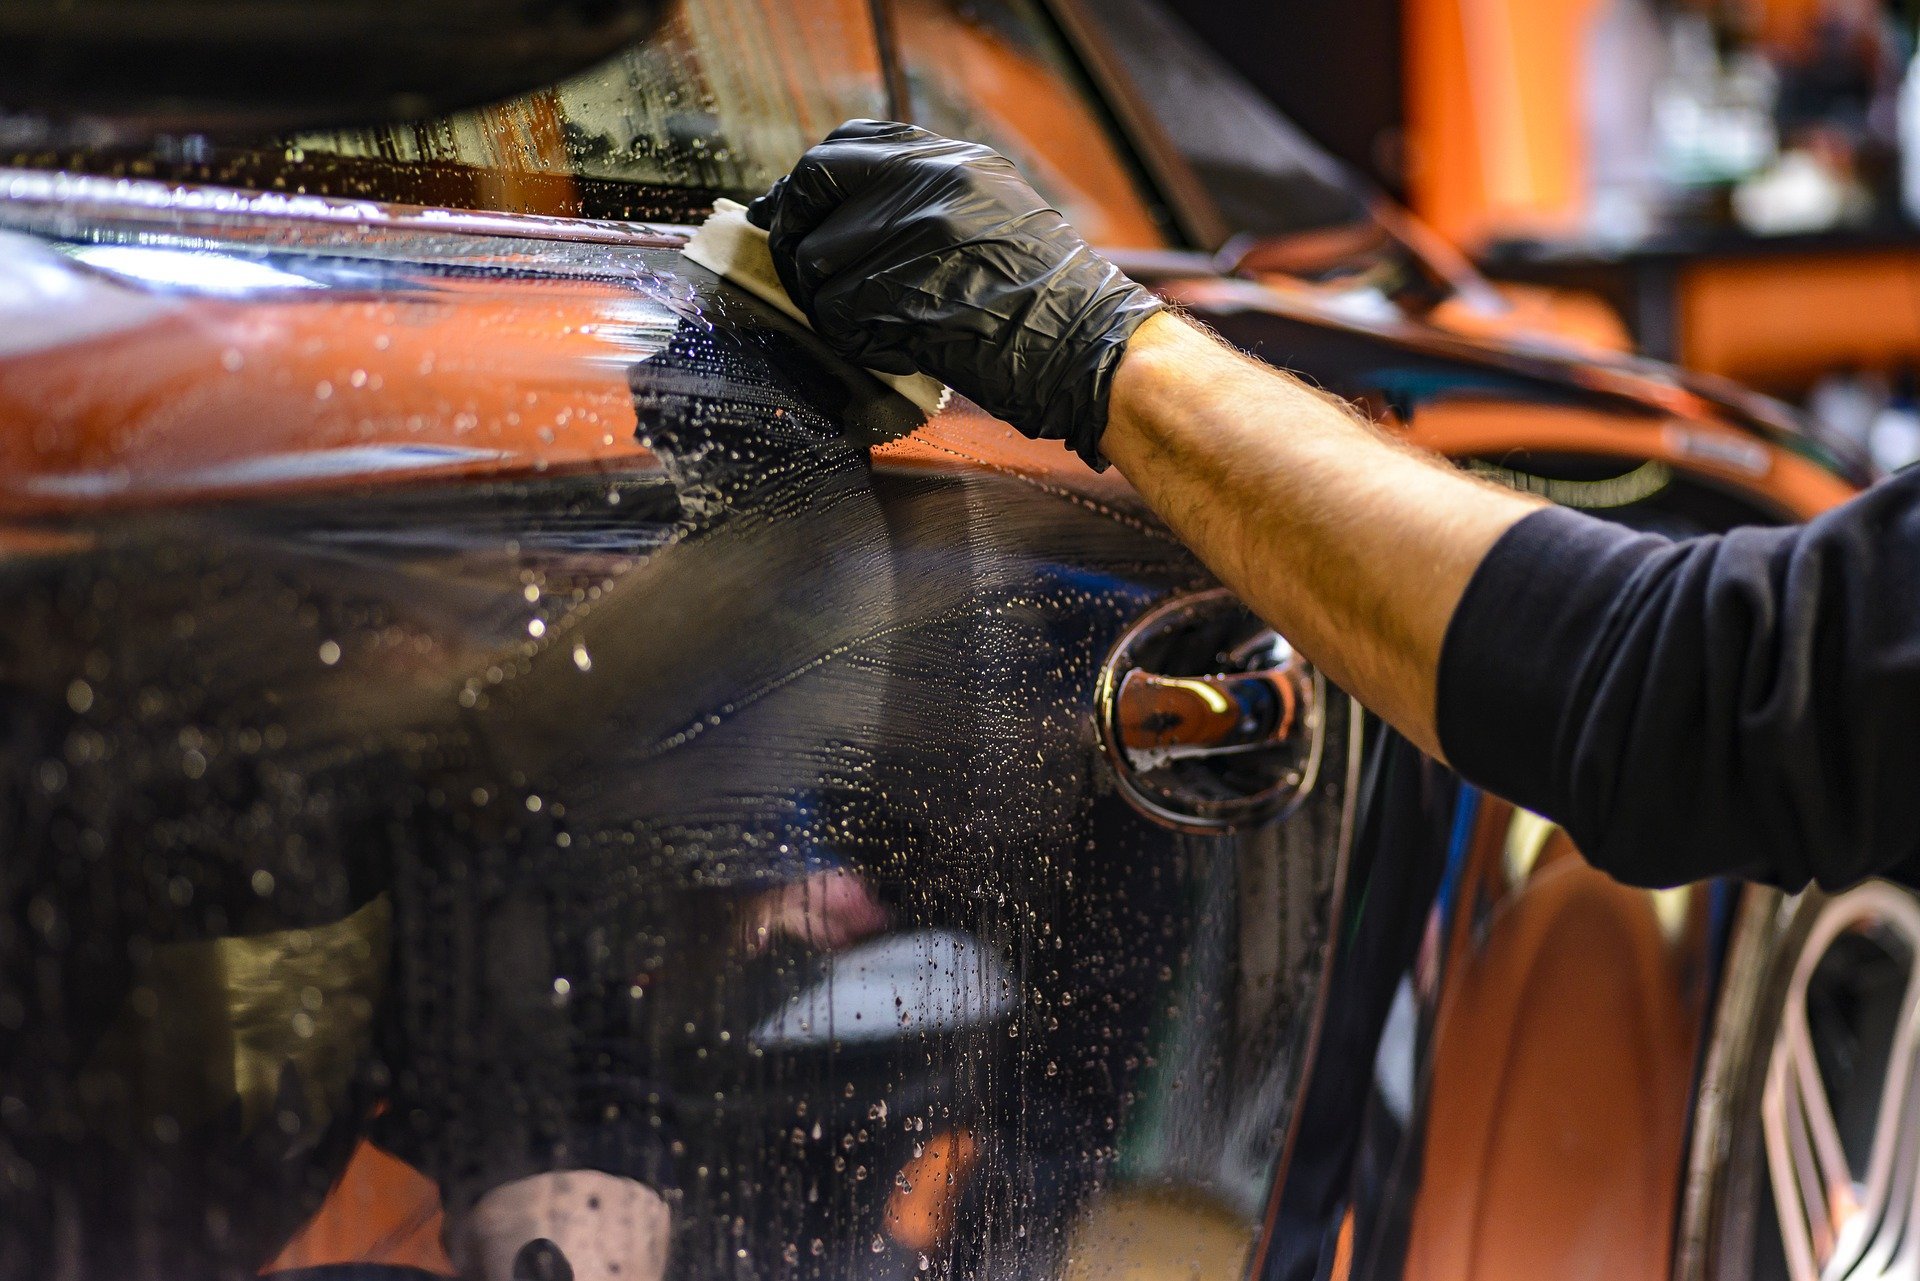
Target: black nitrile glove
x,y
909,251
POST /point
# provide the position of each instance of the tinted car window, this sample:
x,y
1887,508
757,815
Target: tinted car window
x,y
724,98
721,100
1266,176
996,71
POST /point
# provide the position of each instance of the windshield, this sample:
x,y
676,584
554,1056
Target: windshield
x,y
721,101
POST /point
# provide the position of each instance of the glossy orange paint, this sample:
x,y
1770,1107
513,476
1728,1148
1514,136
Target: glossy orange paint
x,y
1524,313
1582,321
965,438
209,398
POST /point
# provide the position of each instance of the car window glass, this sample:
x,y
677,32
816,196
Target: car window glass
x,y
1268,178
996,72
725,97
721,101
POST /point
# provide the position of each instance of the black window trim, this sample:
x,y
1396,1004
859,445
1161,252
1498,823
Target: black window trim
x,y
1168,181
1136,127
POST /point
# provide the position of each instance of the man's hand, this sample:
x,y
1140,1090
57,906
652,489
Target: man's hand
x,y
910,251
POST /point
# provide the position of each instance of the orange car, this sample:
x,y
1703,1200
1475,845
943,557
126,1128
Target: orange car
x,y
520,763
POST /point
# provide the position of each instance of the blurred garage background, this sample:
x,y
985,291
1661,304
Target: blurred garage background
x,y
1737,181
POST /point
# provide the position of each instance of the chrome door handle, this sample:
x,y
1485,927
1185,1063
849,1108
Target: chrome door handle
x,y
1209,718
1183,717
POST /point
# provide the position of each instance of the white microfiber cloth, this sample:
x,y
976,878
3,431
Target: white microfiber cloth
x,y
730,246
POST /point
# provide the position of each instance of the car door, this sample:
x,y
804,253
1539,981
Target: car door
x,y
488,700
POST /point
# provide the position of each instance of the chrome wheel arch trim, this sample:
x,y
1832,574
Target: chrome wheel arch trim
x,y
1829,1227
1764,1133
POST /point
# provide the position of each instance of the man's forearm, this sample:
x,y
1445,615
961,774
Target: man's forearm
x,y
1353,546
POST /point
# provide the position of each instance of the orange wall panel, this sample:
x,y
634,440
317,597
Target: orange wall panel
x,y
1782,321
1495,129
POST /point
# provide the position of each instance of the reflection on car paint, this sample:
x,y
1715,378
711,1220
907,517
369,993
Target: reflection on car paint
x,y
693,797
195,271
370,368
929,981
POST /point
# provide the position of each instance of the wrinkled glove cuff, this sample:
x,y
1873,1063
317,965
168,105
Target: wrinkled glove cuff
x,y
1077,414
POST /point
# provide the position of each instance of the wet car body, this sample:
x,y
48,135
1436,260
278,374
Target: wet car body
x,y
548,718
455,660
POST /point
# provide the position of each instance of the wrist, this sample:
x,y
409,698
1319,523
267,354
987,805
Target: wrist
x,y
1161,353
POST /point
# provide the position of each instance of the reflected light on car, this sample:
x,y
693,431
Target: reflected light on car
x,y
189,269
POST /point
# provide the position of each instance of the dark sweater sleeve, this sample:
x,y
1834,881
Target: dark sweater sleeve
x,y
1743,704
